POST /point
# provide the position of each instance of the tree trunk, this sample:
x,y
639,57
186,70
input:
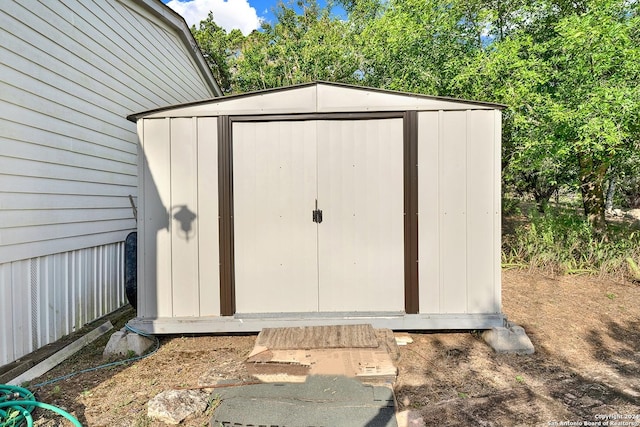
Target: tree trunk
x,y
592,176
611,190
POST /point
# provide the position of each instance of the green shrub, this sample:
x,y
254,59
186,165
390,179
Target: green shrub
x,y
564,242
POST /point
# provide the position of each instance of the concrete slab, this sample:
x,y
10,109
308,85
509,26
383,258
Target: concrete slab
x,y
331,401
509,339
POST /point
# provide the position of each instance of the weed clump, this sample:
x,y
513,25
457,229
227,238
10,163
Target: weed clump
x,y
562,241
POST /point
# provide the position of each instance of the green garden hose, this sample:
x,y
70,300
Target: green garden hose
x,y
17,403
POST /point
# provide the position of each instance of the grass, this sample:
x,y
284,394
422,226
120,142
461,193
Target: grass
x,y
562,241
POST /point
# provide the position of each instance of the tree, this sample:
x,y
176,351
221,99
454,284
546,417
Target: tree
x,y
570,85
415,45
217,48
299,47
596,61
513,72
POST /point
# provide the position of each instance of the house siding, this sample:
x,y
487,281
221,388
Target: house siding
x,y
70,73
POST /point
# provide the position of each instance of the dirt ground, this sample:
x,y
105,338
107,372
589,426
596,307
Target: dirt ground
x,y
586,369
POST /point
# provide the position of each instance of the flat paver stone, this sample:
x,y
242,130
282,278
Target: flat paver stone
x,y
328,401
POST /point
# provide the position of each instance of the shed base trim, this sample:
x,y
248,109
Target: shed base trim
x,y
255,323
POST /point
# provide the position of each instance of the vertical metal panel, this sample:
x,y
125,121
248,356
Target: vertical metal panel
x,y
47,292
145,288
20,296
480,211
208,251
7,349
274,191
157,226
87,281
47,297
59,297
429,208
184,217
453,211
361,245
497,207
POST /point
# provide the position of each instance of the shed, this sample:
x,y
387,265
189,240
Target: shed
x,y
70,73
319,203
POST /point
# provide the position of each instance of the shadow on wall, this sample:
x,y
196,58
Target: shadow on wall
x,y
186,218
162,227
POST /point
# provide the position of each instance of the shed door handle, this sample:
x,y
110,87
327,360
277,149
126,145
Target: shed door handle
x,y
317,214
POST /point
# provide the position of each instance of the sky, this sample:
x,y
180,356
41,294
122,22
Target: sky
x,y
245,15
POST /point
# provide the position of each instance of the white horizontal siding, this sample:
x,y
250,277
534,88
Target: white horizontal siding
x,y
71,71
45,298
27,201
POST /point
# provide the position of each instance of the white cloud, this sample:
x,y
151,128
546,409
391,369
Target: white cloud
x,y
229,14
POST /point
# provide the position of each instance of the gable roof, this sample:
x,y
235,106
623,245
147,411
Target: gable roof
x,y
315,97
168,15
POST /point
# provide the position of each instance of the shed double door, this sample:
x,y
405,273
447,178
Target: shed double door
x,y
286,259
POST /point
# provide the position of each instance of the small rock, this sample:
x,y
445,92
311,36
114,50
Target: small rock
x,y
509,339
123,341
173,406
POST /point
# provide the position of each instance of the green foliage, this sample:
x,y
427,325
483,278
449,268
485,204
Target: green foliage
x,y
416,45
634,270
218,48
563,241
298,48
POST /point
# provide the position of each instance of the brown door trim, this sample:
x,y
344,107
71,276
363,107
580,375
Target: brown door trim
x,y
225,195
411,286
225,218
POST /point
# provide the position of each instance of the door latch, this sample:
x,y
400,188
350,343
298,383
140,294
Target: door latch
x,y
317,214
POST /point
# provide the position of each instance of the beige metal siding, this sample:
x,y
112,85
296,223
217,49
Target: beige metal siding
x,y
178,273
300,100
360,190
45,298
319,98
334,98
429,211
497,219
274,191
208,232
155,226
459,211
184,220
481,211
453,211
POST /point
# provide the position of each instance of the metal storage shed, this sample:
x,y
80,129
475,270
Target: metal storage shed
x,y
319,203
